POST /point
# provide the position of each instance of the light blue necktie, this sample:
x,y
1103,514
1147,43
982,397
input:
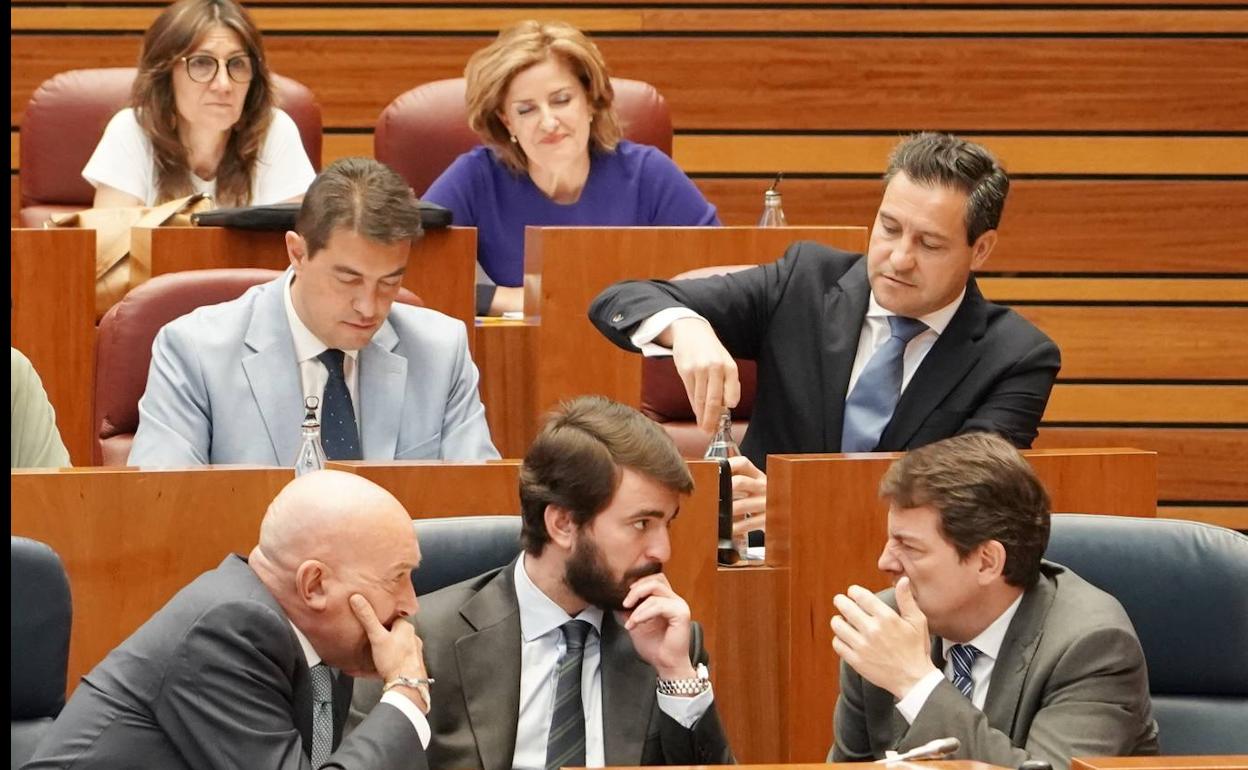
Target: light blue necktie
x,y
566,744
322,714
874,399
963,657
339,435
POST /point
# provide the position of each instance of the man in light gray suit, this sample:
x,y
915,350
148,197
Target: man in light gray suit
x,y
227,382
599,487
240,668
1025,660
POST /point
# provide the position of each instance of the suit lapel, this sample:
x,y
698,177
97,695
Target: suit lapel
x,y
343,687
383,376
956,351
628,696
488,660
1017,649
844,311
303,699
273,373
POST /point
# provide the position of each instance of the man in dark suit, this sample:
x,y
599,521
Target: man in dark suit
x,y
882,352
239,669
598,489
981,640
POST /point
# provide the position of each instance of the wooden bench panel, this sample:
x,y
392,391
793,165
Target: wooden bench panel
x,y
1144,404
1205,464
1144,84
1140,343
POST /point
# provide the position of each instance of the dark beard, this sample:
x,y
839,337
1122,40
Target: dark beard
x,y
589,577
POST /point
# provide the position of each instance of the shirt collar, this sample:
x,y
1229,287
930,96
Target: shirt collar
x,y
539,615
310,654
307,345
989,640
936,320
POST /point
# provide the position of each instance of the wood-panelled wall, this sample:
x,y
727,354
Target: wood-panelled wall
x,y
1124,125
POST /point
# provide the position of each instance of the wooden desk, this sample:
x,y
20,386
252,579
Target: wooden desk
x,y
825,528
52,285
1226,762
556,353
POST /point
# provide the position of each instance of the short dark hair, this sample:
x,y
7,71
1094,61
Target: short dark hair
x,y
932,158
983,490
576,463
363,195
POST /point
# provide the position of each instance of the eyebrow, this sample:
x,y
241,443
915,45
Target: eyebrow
x,y
356,273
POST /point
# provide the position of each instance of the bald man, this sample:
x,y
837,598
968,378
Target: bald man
x,y
251,664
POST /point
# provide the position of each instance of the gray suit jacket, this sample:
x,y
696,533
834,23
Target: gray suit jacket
x,y
224,387
472,642
216,679
1070,681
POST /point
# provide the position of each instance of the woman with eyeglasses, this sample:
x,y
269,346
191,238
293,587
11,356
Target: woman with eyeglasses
x,y
541,100
202,118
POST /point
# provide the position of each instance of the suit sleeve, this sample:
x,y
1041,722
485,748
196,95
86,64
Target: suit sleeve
x,y
226,701
739,306
706,743
1093,706
465,433
1016,402
175,417
851,741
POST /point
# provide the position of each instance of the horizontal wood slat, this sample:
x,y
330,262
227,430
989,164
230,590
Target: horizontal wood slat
x,y
1192,463
1169,404
1222,516
791,82
1007,290
695,20
1142,343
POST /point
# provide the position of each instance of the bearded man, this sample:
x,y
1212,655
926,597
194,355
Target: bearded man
x,y
578,653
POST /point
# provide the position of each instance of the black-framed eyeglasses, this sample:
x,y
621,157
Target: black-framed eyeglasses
x,y
202,68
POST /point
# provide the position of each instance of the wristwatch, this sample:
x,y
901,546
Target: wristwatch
x,y
687,687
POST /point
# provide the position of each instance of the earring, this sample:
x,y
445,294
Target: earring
x,y
514,140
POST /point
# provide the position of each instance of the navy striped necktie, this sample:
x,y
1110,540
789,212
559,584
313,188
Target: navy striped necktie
x,y
963,658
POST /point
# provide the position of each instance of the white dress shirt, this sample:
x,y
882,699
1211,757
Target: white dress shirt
x,y
875,332
312,373
541,647
401,702
989,645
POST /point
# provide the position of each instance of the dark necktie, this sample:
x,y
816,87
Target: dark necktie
x,y
962,656
874,399
566,745
322,714
339,436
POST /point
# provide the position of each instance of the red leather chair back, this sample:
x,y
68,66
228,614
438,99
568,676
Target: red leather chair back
x,y
123,347
65,119
420,133
663,396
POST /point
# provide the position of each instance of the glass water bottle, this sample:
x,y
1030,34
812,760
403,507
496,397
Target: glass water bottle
x,y
311,455
773,214
732,547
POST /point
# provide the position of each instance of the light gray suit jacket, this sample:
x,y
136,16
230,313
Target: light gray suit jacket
x,y
1070,681
216,679
471,633
224,387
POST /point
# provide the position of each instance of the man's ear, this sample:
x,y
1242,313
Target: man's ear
x,y
560,526
311,584
990,565
296,249
982,247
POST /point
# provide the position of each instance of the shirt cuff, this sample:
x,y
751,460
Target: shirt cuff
x,y
653,326
910,705
686,711
413,714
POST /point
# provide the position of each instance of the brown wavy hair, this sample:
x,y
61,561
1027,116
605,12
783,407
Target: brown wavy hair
x,y
174,34
490,71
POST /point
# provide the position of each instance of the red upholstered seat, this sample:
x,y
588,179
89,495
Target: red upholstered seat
x,y
65,119
420,133
663,396
123,348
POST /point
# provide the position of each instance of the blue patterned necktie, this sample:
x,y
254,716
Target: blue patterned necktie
x,y
566,745
339,435
322,714
874,399
963,658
